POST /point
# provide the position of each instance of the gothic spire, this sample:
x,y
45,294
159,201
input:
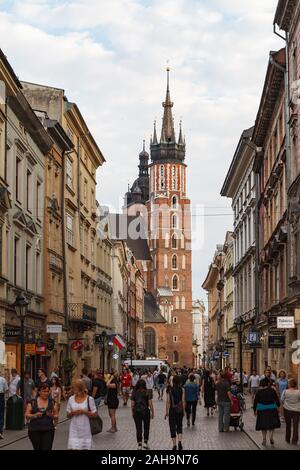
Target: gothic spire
x,y
167,130
180,139
154,139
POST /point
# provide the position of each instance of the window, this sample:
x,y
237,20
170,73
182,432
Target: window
x,y
175,338
175,357
166,261
174,241
38,273
38,199
183,303
86,242
150,346
162,177
175,282
174,319
28,269
183,282
18,180
17,262
174,202
69,229
92,249
177,303
183,262
174,221
174,262
29,191
174,177
85,191
69,173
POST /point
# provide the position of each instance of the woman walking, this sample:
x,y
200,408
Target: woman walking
x,y
265,406
175,406
281,386
142,410
209,392
80,408
291,408
41,413
56,394
112,400
191,390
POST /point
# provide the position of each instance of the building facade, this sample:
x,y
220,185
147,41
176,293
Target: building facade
x,y
200,331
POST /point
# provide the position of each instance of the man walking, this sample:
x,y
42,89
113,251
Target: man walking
x,y
224,401
126,381
253,384
13,384
29,388
3,390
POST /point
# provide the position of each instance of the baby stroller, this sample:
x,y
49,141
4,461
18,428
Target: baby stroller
x,y
236,412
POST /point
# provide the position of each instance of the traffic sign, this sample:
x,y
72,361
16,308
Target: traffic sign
x,y
116,356
225,354
77,345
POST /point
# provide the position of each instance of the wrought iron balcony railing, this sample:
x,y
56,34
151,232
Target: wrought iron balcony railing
x,y
82,312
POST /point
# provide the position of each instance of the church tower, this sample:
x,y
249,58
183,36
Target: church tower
x,y
170,243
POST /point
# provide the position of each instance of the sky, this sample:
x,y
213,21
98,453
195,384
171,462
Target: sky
x,y
110,57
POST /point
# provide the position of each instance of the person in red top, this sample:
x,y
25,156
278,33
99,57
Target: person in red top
x,y
228,374
126,381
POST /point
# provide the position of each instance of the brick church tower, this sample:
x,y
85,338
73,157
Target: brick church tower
x,y
168,301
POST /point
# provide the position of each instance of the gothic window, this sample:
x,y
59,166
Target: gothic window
x,y
174,262
166,261
183,262
175,282
174,202
166,280
175,357
177,303
174,177
162,177
150,349
174,241
174,221
167,240
183,303
183,281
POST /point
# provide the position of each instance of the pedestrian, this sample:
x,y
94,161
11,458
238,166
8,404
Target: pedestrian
x,y
209,392
135,378
13,383
269,374
99,388
42,378
87,380
56,394
54,373
107,375
266,404
191,391
142,411
41,413
161,384
80,408
29,388
224,401
254,380
245,381
112,400
3,391
148,377
126,383
155,375
175,406
291,407
228,374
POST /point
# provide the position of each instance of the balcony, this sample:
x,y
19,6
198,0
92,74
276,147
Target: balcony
x,y
82,314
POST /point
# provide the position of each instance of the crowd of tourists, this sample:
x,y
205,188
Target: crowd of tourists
x,y
275,398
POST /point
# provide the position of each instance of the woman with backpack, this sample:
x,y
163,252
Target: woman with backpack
x,y
142,410
175,410
41,413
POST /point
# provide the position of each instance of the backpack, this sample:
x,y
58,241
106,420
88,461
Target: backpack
x,y
140,403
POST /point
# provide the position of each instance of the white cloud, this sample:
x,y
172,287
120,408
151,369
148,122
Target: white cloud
x,y
110,59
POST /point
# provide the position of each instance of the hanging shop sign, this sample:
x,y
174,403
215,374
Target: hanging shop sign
x,y
276,342
77,345
229,344
273,331
41,348
30,349
285,322
254,338
50,344
11,331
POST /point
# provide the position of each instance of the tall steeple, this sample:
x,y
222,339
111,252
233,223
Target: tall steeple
x,y
167,130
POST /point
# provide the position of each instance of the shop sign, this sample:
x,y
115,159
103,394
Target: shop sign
x,y
40,349
229,344
50,344
30,348
54,328
275,342
11,331
297,316
276,332
285,322
254,338
77,345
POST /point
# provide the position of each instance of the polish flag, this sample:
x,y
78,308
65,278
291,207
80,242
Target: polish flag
x,y
119,342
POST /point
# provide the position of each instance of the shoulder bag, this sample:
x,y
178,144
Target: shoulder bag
x,y
96,422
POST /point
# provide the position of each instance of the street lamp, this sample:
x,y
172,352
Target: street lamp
x,y
222,344
130,350
21,305
103,337
239,323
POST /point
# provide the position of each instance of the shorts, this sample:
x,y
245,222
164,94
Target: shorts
x,y
161,387
150,393
126,390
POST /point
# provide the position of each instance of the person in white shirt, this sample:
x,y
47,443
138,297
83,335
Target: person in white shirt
x,y
149,383
3,390
13,384
254,384
291,407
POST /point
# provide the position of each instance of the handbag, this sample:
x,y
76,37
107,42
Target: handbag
x,y
96,422
178,408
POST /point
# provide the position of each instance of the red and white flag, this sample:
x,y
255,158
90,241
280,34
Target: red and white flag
x,y
119,342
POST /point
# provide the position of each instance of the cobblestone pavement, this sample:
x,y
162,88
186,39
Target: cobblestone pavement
x,y
203,436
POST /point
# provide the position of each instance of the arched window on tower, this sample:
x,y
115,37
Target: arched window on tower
x,y
175,357
183,282
175,282
150,343
162,177
166,280
174,262
167,237
183,262
174,221
174,241
177,303
174,202
174,177
166,261
183,303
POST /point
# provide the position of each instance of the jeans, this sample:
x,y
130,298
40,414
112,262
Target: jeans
x,y
191,407
141,419
41,440
292,417
2,410
224,415
98,401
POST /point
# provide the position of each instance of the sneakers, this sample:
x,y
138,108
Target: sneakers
x,y
112,430
146,446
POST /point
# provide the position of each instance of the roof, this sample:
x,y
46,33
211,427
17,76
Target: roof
x,y
151,310
164,292
273,82
284,13
131,229
236,162
3,58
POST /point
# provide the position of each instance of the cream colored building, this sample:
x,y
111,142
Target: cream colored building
x,y
200,332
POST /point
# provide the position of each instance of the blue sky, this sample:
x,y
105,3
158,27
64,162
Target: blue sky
x,y
110,57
